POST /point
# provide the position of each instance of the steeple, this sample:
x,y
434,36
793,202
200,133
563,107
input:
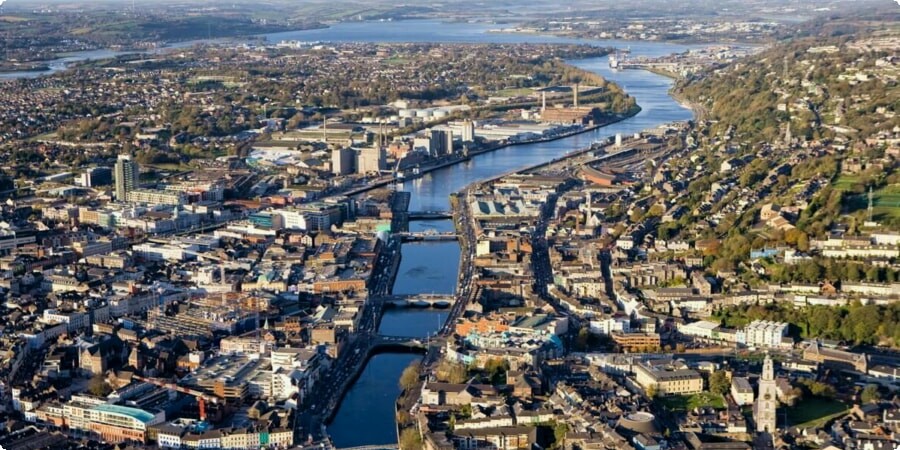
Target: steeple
x,y
768,372
767,402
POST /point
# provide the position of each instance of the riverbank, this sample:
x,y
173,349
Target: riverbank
x,y
434,192
588,36
12,68
424,171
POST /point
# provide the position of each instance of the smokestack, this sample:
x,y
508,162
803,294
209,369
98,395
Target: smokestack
x,y
575,96
543,101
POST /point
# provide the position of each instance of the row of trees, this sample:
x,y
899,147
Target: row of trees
x,y
855,324
814,270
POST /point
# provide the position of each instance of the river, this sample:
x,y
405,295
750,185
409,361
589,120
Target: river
x,y
366,415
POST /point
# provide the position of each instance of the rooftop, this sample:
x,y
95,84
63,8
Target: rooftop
x,y
134,413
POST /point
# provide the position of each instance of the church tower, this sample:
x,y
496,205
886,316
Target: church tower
x,y
766,403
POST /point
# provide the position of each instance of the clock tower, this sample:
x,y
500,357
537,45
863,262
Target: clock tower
x,y
767,402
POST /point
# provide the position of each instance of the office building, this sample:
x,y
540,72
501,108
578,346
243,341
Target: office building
x,y
95,176
127,174
668,377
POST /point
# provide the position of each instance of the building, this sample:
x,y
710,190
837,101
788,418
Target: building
x,y
112,423
580,115
468,131
95,176
636,341
370,160
342,161
766,403
834,357
441,142
741,391
668,377
153,197
764,333
127,175
498,438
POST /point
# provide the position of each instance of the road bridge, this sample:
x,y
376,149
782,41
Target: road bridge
x,y
429,215
427,236
418,300
372,447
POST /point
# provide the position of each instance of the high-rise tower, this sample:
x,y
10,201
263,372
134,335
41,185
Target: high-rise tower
x,y
127,174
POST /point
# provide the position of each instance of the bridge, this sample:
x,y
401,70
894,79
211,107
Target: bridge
x,y
648,65
429,215
397,341
426,236
418,300
372,447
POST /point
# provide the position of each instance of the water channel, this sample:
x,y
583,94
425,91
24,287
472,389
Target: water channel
x,y
366,416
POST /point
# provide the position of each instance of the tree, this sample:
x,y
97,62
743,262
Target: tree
x,y
581,342
559,433
452,372
496,369
410,376
870,394
97,386
410,439
652,391
718,382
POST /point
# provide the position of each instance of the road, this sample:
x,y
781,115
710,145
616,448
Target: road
x,y
327,393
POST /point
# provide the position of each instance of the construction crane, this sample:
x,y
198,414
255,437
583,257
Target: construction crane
x,y
202,397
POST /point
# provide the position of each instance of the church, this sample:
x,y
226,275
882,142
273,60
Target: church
x,y
766,401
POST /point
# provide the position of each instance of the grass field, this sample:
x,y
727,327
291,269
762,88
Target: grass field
x,y
814,412
514,92
689,402
396,61
845,182
885,202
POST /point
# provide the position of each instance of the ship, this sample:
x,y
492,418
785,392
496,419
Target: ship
x,y
618,57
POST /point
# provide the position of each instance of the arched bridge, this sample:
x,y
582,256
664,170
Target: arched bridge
x,y
398,341
429,215
418,300
372,447
426,236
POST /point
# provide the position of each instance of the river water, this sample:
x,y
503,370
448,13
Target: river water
x,y
366,415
